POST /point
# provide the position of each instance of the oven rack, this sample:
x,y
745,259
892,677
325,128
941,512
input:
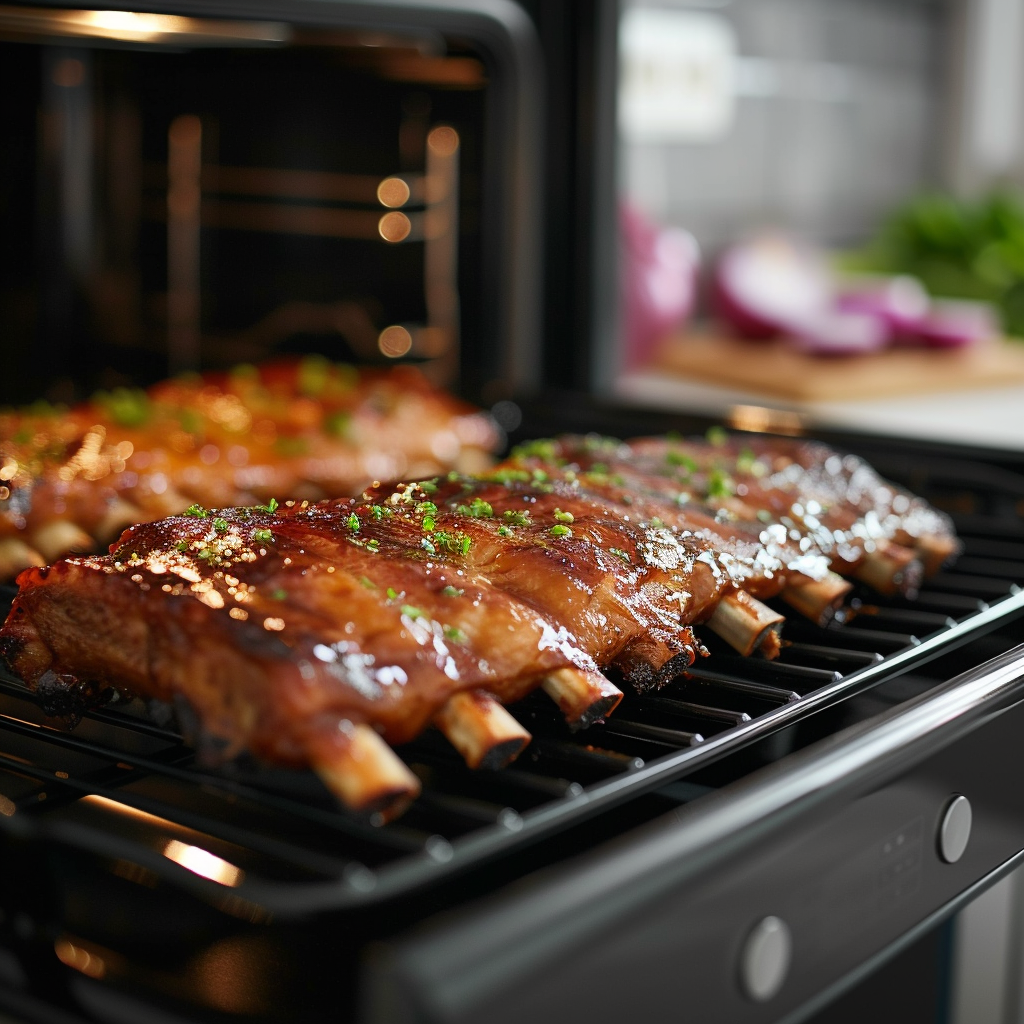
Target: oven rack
x,y
128,788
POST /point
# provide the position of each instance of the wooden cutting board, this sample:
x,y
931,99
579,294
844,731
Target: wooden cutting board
x,y
774,368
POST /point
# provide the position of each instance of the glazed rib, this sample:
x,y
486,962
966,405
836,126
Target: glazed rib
x,y
71,480
315,634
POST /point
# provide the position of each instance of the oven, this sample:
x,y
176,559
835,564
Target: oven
x,y
202,184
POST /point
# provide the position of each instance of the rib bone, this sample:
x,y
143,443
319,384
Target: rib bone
x,y
481,730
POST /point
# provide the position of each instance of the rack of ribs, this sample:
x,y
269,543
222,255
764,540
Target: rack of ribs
x,y
72,479
321,633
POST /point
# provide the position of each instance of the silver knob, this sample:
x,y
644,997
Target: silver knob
x,y
765,958
955,829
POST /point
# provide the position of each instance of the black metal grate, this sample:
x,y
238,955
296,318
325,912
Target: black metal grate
x,y
127,788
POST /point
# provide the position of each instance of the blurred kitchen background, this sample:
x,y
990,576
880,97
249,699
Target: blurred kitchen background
x,y
822,138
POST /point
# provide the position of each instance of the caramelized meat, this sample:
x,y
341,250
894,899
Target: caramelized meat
x,y
72,479
309,632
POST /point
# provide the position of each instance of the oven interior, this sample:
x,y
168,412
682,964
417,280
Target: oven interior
x,y
232,187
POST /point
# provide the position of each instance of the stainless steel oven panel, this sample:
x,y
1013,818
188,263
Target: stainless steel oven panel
x,y
839,842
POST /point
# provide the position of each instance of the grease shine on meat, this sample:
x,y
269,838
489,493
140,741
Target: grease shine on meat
x,y
316,634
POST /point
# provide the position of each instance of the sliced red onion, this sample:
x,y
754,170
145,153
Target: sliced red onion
x,y
957,323
901,301
834,332
763,285
659,281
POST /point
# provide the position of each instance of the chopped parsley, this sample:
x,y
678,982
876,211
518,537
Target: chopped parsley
x,y
429,523
182,546
619,553
262,536
379,512
353,523
271,506
337,424
426,508
412,611
393,594
560,531
504,531
451,591
477,507
564,517
454,634
220,525
453,542
543,449
198,511
687,462
720,484
516,517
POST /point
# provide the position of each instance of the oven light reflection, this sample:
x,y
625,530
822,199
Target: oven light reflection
x,y
89,964
760,420
203,863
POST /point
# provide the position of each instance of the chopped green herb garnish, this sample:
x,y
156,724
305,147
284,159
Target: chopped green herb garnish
x,y
717,436
412,611
337,423
353,522
198,511
428,486
393,594
291,446
564,517
509,476
220,525
454,634
262,536
427,508
207,555
656,523
279,594
504,531
312,375
681,459
125,406
379,512
560,531
720,484
372,544
367,582
182,546
271,506
619,553
451,591
516,517
542,448
429,523
191,421
455,543
745,461
477,507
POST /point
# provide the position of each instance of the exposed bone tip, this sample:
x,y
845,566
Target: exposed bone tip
x,y
584,696
363,772
747,625
481,729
